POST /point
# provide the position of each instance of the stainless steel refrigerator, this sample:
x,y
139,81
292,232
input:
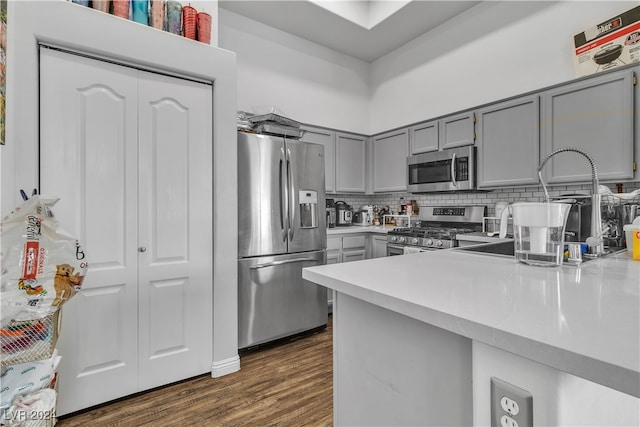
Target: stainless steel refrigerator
x,y
281,230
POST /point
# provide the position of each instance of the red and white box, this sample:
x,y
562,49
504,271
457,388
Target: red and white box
x,y
610,44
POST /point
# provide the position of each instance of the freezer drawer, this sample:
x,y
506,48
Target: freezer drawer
x,y
273,299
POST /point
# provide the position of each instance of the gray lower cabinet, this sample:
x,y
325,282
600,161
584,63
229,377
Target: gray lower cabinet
x,y
508,141
350,163
457,130
595,115
390,151
334,257
355,246
378,245
328,139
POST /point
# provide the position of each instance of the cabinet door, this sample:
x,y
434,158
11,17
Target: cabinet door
x,y
334,257
175,193
457,131
508,143
424,137
328,139
390,153
89,159
350,163
379,246
596,116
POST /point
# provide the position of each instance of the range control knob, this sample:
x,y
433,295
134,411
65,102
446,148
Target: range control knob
x,y
429,242
394,238
439,243
415,241
401,239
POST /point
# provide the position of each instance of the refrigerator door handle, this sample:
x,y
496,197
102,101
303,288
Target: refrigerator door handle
x,y
292,211
284,201
286,261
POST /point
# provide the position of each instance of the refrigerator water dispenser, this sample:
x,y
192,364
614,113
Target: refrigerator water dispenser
x,y
308,205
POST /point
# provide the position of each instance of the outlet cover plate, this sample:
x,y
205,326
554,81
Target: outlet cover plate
x,y
524,400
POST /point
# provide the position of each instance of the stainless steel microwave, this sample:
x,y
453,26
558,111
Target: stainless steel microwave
x,y
453,169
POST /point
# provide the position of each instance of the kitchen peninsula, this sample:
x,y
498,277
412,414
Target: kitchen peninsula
x,y
418,337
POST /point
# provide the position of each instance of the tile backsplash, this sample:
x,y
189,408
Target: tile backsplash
x,y
488,198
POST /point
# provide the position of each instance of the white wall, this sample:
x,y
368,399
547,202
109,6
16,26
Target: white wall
x,y
308,82
492,51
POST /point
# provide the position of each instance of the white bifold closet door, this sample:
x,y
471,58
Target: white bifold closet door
x,y
129,154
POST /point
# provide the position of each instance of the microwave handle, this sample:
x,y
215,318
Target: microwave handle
x,y
453,170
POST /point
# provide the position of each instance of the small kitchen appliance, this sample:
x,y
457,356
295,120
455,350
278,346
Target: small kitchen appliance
x,y
331,213
343,214
452,169
369,211
437,229
360,218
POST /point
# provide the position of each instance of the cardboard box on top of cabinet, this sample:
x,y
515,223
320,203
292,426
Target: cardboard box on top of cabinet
x,y
610,44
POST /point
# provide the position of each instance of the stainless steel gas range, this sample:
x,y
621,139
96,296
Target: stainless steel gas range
x,y
438,228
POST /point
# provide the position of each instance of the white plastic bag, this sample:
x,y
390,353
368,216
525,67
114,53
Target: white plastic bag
x,y
42,265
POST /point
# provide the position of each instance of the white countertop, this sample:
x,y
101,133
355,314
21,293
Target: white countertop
x,y
379,229
581,320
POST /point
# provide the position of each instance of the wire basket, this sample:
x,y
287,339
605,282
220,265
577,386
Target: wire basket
x,y
619,199
618,210
24,341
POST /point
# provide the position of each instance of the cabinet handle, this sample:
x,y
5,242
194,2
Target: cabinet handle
x,y
142,249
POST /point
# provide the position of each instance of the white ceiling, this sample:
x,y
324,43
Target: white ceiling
x,y
359,28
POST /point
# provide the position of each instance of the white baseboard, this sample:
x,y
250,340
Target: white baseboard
x,y
224,367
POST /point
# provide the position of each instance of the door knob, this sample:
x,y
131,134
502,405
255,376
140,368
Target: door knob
x,y
142,249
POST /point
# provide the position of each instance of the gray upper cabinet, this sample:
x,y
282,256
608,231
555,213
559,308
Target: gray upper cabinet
x,y
595,115
328,139
508,140
390,152
457,130
350,163
424,137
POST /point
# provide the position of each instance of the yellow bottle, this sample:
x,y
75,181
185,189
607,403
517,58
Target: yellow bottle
x,y
635,245
632,233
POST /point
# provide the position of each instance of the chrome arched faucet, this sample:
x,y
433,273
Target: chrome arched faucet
x,y
596,249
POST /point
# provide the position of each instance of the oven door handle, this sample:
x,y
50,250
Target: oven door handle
x,y
453,170
400,247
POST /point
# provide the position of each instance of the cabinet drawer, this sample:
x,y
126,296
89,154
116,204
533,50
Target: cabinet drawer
x,y
353,256
334,243
353,242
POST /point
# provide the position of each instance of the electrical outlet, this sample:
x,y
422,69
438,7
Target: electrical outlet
x,y
506,421
511,406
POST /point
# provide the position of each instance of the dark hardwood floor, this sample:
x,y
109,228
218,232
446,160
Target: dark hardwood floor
x,y
286,384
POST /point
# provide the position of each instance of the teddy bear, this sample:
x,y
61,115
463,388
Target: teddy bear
x,y
65,283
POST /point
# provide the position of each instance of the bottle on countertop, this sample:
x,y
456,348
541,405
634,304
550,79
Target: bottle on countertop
x,y
401,207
